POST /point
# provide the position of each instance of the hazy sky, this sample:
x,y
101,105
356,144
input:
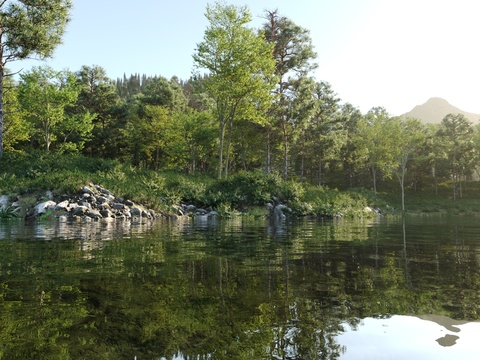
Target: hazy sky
x,y
390,53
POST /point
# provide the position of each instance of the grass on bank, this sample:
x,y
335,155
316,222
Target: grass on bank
x,y
440,200
28,175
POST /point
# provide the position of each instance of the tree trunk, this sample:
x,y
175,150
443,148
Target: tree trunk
x,y
220,151
454,187
1,101
285,150
302,159
244,152
268,160
227,156
435,180
319,179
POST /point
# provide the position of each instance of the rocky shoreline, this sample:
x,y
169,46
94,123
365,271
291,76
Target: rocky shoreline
x,y
95,203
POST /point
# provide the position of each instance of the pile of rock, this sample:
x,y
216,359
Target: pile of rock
x,y
93,202
192,210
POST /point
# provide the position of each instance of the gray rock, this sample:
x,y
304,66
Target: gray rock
x,y
94,214
201,212
103,206
43,207
62,206
4,199
79,210
118,206
279,211
190,208
87,190
106,213
105,192
101,199
136,211
86,204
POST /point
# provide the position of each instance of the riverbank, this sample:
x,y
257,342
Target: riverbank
x,y
29,180
26,181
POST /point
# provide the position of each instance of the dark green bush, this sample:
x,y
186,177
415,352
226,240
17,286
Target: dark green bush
x,y
243,190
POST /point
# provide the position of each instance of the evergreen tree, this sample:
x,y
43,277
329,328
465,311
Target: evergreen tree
x,y
293,53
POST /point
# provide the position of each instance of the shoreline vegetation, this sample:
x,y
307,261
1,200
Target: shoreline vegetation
x,y
28,180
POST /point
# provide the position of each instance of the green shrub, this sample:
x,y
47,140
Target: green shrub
x,y
290,191
8,212
187,190
243,189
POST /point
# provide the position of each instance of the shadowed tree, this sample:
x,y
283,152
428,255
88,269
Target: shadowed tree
x,y
456,135
98,97
29,29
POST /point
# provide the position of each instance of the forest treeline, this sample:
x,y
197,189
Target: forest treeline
x,y
251,104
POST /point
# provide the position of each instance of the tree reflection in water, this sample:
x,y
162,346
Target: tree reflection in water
x,y
226,289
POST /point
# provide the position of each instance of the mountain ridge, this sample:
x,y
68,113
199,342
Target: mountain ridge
x,y
435,109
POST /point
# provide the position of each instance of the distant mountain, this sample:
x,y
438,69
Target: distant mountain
x,y
435,109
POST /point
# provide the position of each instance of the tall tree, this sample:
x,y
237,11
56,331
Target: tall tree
x,y
98,97
293,53
327,132
240,66
410,135
374,138
456,134
351,153
29,29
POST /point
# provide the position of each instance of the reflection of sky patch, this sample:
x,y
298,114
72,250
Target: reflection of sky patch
x,y
407,337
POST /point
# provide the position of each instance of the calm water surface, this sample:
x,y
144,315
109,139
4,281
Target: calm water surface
x,y
386,288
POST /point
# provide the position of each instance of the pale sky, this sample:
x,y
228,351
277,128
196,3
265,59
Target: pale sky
x,y
390,53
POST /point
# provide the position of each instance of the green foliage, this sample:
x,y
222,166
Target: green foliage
x,y
190,190
241,69
44,94
226,210
8,212
322,201
244,189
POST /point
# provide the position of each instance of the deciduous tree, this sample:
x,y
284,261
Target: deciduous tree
x,y
374,138
29,29
240,66
456,134
410,135
44,94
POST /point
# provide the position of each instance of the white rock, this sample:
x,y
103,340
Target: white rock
x,y
42,208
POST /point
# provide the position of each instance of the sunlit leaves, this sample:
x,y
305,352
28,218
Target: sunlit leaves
x,y
240,68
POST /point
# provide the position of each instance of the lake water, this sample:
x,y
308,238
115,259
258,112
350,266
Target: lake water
x,y
384,288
